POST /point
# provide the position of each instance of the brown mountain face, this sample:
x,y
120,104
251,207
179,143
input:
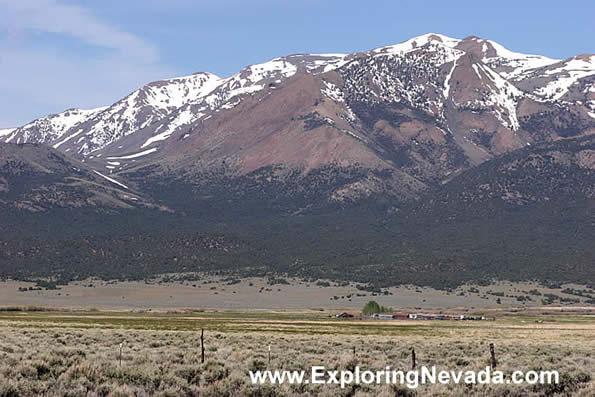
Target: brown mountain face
x,y
37,178
421,114
435,161
404,118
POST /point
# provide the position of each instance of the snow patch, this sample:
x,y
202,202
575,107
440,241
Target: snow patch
x,y
417,42
518,62
69,137
565,76
6,131
277,67
354,135
332,92
176,92
53,127
183,118
504,97
112,180
446,90
133,156
476,69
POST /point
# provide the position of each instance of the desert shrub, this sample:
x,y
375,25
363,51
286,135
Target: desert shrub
x,y
190,374
257,365
86,369
231,386
168,372
265,390
277,280
8,388
461,362
120,391
130,375
27,370
350,364
214,371
403,391
568,384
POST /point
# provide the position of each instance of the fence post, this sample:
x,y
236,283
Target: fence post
x,y
269,355
120,355
493,361
202,346
413,358
354,351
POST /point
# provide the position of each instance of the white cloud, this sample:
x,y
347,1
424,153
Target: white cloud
x,y
50,16
55,82
37,80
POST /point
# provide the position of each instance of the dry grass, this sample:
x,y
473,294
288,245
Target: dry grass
x,y
47,357
216,292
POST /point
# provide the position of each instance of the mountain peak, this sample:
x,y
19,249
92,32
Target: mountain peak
x,y
417,42
193,76
428,37
488,81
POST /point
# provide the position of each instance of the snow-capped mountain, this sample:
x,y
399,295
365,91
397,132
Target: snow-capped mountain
x,y
84,131
248,81
48,129
6,131
138,110
425,109
97,128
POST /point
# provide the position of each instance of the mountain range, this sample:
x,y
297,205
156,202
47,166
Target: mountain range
x,y
462,129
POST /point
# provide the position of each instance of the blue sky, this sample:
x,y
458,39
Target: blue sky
x,y
56,54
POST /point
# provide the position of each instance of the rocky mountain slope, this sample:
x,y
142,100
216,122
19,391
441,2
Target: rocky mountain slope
x,y
526,215
37,178
563,170
432,161
418,112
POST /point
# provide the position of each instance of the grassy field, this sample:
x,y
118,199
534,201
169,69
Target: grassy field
x,y
257,293
77,353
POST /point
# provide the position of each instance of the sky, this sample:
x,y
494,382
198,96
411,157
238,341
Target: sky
x,y
59,54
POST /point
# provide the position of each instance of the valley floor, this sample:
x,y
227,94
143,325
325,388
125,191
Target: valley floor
x,y
77,353
210,292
